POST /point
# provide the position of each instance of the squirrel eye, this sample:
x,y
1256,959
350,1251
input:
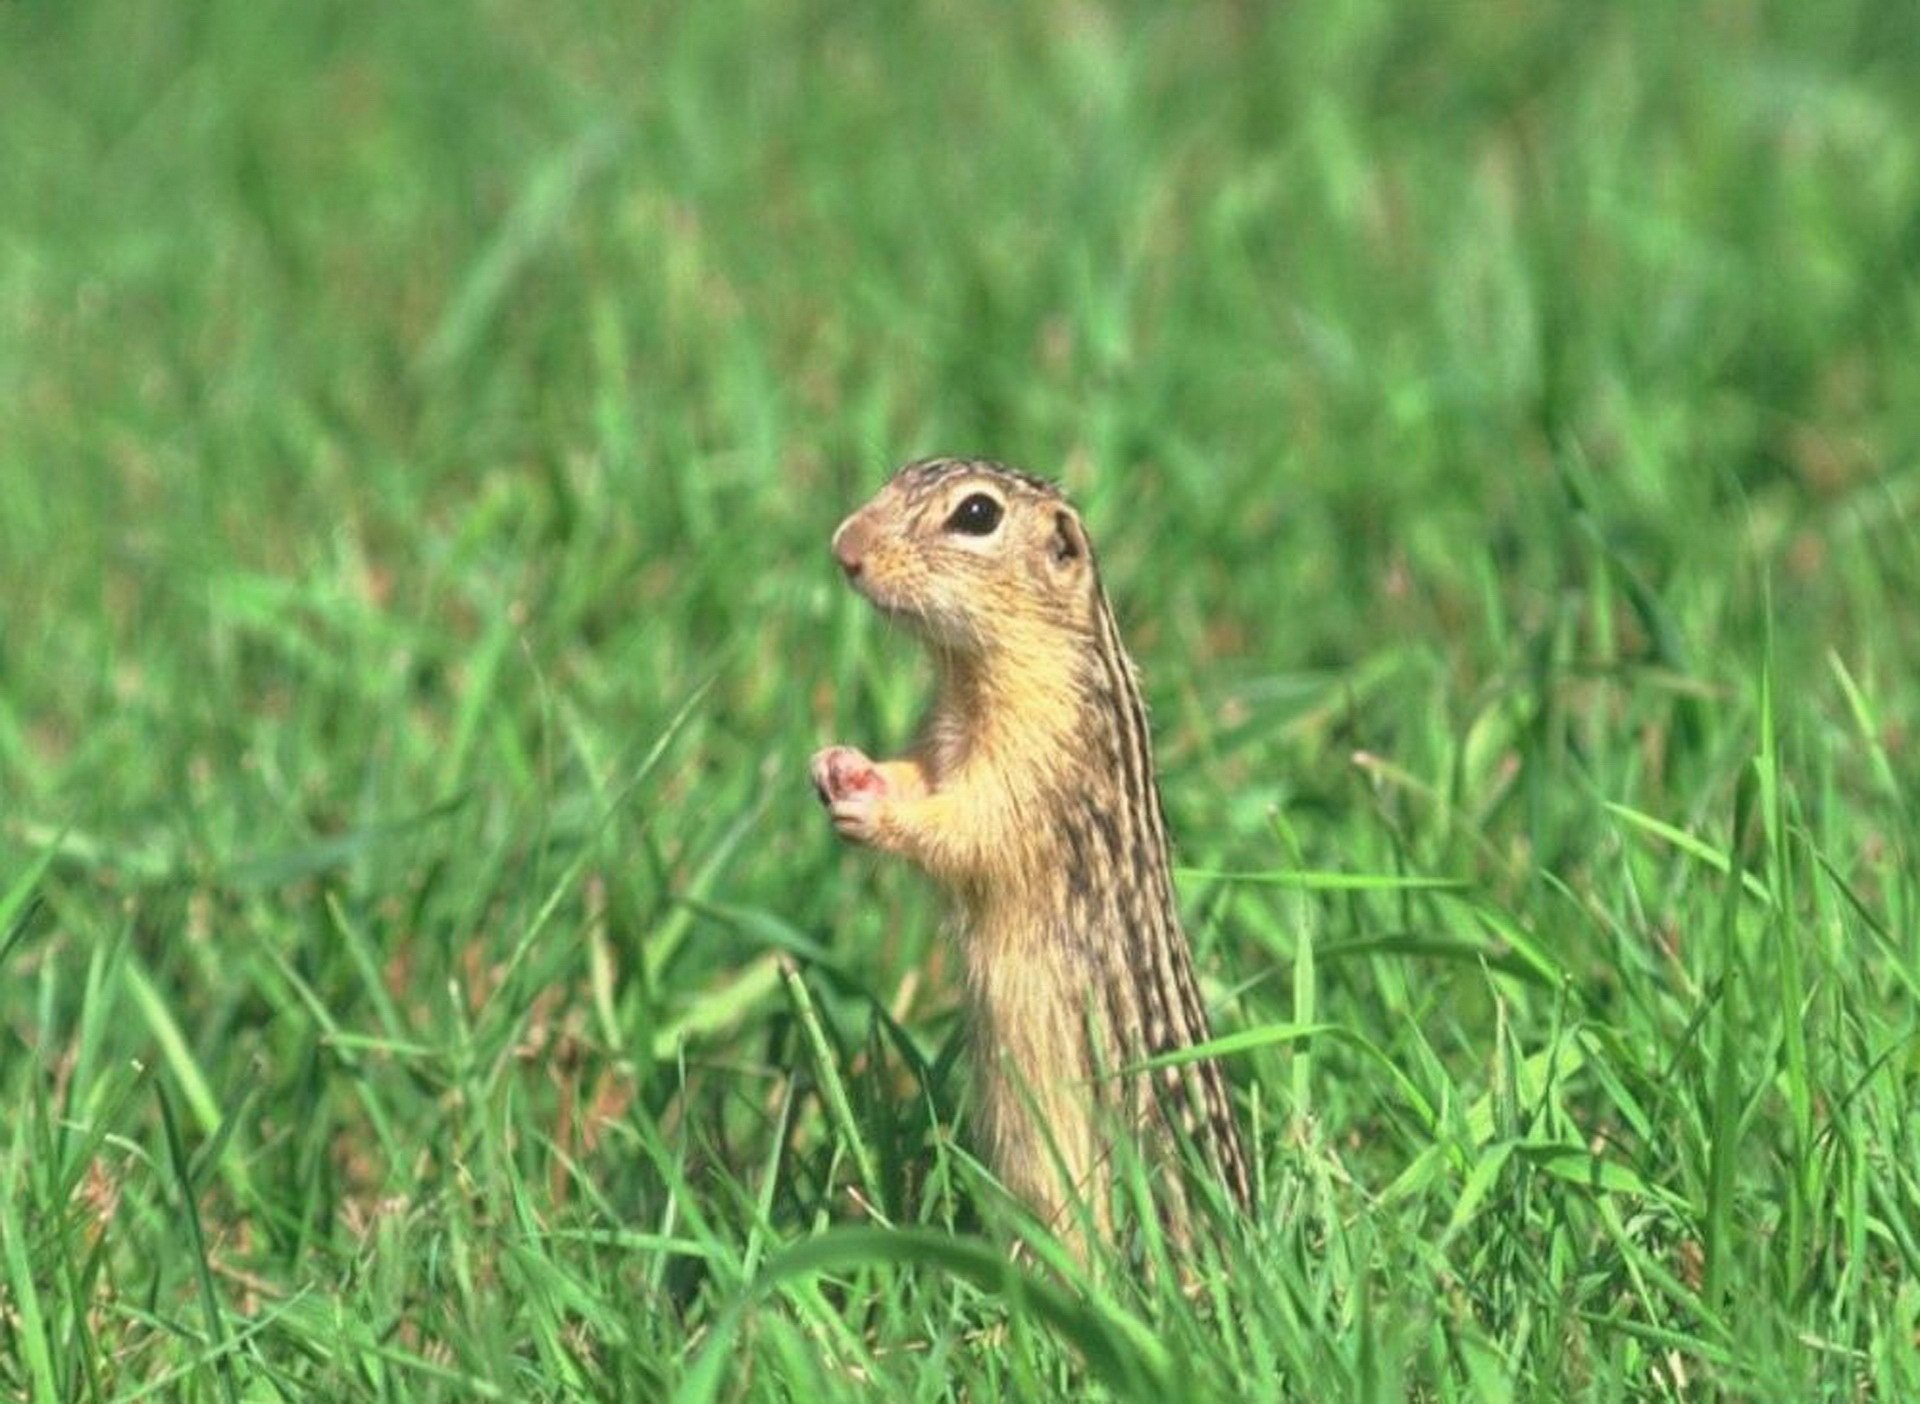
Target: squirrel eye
x,y
976,515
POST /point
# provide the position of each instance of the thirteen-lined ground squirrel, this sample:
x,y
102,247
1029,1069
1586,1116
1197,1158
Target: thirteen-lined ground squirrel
x,y
1030,796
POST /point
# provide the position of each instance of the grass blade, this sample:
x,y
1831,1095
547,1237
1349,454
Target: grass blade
x,y
827,1070
196,1241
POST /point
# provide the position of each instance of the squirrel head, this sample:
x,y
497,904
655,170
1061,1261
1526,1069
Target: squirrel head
x,y
975,557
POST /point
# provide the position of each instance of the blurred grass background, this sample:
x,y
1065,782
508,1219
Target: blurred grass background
x,y
420,428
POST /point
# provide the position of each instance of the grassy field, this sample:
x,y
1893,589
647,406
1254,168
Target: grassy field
x,y
424,971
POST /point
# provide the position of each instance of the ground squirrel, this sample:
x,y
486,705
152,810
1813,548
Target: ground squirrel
x,y
1030,796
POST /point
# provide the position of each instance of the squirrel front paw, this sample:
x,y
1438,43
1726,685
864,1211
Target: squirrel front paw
x,y
852,788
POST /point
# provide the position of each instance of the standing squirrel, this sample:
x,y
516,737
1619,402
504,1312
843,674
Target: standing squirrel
x,y
1030,797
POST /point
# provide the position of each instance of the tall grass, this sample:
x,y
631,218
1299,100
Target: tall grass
x,y
423,970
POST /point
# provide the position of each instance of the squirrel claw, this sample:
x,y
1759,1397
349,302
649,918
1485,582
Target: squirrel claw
x,y
843,772
856,818
852,788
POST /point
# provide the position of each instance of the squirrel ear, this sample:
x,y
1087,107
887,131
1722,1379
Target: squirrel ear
x,y
1069,538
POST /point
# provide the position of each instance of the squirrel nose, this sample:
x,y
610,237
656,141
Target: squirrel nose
x,y
848,548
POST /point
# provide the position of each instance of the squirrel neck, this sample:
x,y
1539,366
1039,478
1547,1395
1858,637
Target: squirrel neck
x,y
1015,707
1055,717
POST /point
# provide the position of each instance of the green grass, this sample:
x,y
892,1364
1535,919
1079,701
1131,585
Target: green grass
x,y
424,972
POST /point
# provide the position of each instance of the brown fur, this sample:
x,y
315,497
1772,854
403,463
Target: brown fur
x,y
1030,797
